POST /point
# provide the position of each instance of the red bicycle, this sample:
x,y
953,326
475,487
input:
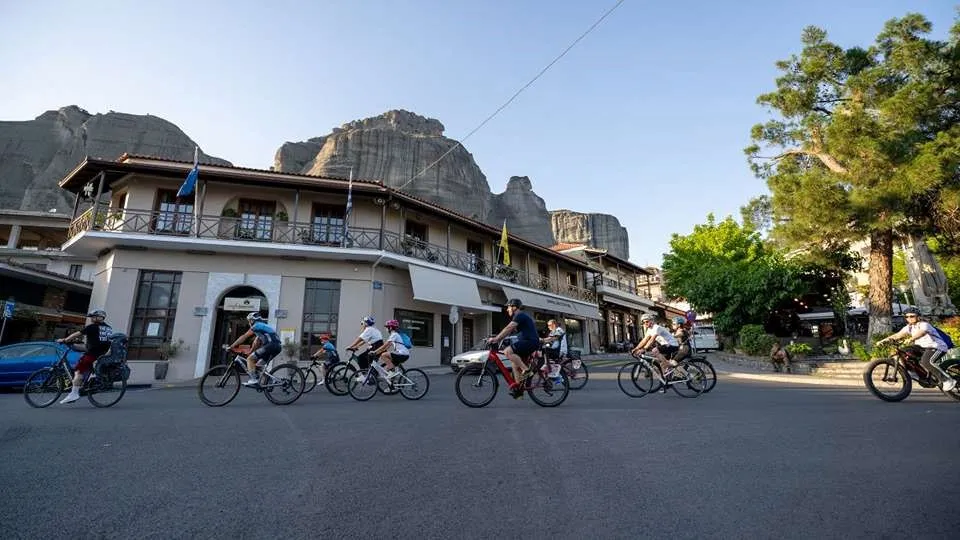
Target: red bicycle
x,y
477,382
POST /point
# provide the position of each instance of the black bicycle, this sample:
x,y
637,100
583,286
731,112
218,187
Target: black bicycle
x,y
282,385
104,386
340,374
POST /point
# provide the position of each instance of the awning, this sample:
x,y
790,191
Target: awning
x,y
627,304
553,303
431,285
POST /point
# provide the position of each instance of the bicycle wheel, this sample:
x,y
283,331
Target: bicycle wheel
x,y
42,388
953,370
576,373
635,379
413,384
363,385
709,373
476,387
694,383
338,379
219,385
103,392
310,378
545,392
285,384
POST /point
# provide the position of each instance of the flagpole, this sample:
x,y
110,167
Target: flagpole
x,y
196,201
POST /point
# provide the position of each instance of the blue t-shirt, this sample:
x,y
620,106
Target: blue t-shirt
x,y
265,333
526,328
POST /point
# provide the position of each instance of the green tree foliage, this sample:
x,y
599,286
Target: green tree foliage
x,y
724,269
865,143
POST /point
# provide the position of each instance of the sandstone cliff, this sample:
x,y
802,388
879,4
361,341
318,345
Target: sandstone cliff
x,y
36,154
599,230
524,210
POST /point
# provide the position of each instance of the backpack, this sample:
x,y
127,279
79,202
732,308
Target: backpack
x,y
117,352
946,338
406,340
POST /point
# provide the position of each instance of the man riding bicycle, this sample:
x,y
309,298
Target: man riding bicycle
x,y
927,343
265,346
659,340
97,337
369,336
527,344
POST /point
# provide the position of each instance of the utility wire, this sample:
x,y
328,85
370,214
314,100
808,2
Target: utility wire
x,y
514,96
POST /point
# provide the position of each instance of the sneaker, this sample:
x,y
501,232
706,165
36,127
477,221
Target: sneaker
x,y
320,381
948,385
71,397
252,383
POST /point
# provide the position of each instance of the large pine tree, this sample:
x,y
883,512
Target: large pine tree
x,y
865,143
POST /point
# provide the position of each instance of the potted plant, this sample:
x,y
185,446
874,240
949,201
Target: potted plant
x,y
281,230
168,349
291,349
228,223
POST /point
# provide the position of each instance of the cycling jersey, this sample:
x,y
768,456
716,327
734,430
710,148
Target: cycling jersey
x,y
265,333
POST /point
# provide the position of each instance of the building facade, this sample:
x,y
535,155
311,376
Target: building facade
x,y
188,270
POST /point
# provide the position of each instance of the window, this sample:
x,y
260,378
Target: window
x,y
153,313
75,270
321,308
416,230
327,224
173,215
416,324
475,250
572,279
256,219
543,276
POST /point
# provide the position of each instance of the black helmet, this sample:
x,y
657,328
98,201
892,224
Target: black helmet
x,y
515,302
911,311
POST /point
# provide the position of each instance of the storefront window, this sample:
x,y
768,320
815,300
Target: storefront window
x,y
574,330
321,308
416,324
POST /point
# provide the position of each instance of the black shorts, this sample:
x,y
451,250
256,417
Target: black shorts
x,y
267,352
668,350
525,348
330,360
398,359
363,359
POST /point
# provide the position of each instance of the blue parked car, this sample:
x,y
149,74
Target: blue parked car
x,y
19,360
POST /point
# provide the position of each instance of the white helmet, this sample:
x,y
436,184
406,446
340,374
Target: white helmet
x,y
253,317
647,317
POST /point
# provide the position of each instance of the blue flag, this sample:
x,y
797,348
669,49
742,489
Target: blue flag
x,y
191,182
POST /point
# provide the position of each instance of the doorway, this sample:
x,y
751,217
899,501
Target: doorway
x,y
232,311
468,337
446,340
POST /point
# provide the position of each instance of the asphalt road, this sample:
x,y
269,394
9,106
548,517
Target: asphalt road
x,y
748,460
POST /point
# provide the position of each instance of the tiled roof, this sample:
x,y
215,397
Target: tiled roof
x,y
567,245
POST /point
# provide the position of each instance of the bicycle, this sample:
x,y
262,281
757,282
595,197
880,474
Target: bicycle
x,y
644,376
573,369
104,385
340,374
283,384
710,374
483,378
311,374
412,383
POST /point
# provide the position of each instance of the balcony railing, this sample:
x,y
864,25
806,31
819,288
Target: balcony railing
x,y
601,281
314,234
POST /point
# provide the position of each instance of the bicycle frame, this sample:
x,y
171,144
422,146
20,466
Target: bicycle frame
x,y
651,363
240,363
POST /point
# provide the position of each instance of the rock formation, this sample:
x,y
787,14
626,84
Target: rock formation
x,y
598,230
36,154
393,148
524,210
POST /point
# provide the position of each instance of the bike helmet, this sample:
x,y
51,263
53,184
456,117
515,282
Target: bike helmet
x,y
515,302
679,321
254,317
368,320
392,324
646,317
98,313
911,311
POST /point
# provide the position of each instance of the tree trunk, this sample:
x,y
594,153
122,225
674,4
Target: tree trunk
x,y
880,297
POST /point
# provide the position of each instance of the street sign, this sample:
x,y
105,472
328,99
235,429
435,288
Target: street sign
x,y
8,309
377,285
241,304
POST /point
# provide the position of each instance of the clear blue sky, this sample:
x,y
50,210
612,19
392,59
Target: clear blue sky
x,y
645,119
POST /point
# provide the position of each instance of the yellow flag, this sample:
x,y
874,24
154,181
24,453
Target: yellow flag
x,y
503,244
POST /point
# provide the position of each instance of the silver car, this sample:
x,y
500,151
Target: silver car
x,y
479,353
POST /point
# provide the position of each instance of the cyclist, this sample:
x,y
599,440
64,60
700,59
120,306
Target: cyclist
x,y
330,355
97,337
682,335
927,342
265,346
527,344
556,347
659,340
370,336
393,352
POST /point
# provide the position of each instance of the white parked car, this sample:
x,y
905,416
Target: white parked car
x,y
705,338
477,354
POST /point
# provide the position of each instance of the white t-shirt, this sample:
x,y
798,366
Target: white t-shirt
x,y
398,346
371,335
663,336
929,341
560,343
